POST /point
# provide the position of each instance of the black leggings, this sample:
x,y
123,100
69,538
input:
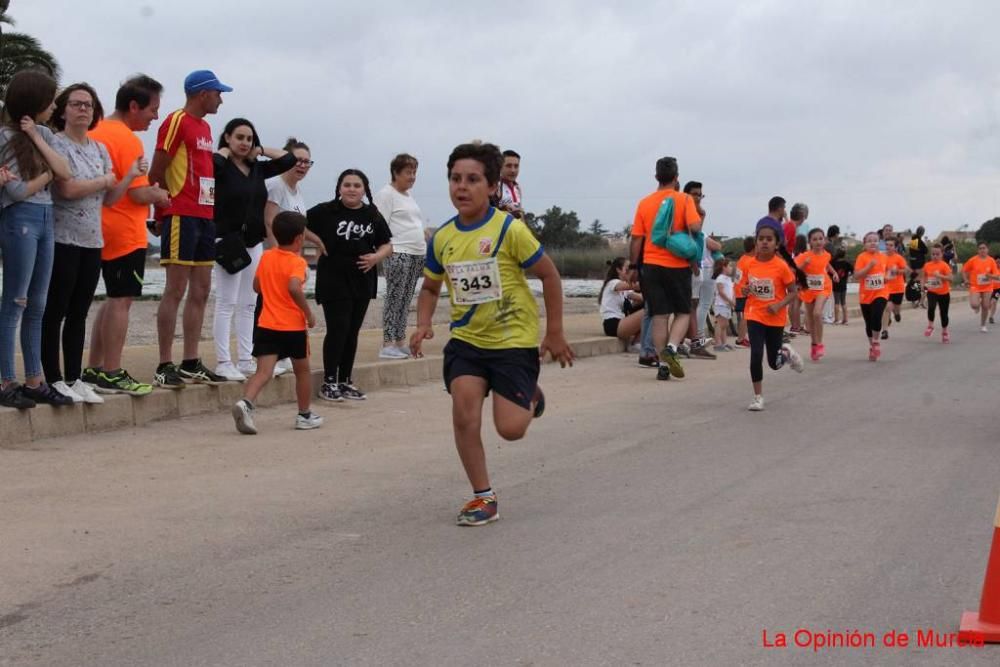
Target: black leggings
x,y
761,337
873,316
343,322
75,274
935,300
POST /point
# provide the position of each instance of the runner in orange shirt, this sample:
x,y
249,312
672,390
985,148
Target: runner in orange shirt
x,y
994,297
895,281
820,277
769,285
870,270
936,275
979,272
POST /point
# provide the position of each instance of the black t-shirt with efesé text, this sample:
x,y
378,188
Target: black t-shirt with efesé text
x,y
347,233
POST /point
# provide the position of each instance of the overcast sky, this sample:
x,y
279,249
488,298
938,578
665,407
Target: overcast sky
x,y
869,112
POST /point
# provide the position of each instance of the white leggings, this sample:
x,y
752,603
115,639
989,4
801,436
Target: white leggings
x,y
234,295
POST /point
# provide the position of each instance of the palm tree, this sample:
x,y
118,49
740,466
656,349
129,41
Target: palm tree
x,y
19,51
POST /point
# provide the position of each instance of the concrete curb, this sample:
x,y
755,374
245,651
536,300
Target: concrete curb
x,y
18,427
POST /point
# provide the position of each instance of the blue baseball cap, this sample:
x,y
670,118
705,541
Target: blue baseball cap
x,y
204,79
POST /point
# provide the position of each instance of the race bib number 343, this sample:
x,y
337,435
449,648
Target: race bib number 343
x,y
475,282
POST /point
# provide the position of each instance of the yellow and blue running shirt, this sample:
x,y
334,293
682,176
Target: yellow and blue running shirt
x,y
492,306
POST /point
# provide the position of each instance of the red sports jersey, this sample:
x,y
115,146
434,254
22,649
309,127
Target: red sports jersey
x,y
190,175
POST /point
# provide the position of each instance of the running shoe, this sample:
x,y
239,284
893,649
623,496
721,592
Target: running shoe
x,y
243,416
166,376
821,350
44,393
701,352
897,317
743,342
89,375
351,393
649,362
392,352
793,358
874,352
729,347
885,334
65,390
673,364
539,402
929,330
983,329
684,350
87,393
330,391
945,338
121,383
13,396
663,373
720,348
308,422
228,371
757,404
991,320
248,368
199,375
814,352
283,366
479,511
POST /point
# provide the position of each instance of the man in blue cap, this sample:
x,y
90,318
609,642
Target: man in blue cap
x,y
183,164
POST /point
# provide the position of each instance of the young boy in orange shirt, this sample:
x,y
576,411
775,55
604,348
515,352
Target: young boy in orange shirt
x,y
284,319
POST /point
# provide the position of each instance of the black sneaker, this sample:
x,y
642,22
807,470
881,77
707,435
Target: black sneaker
x,y
539,402
885,334
684,350
351,393
897,316
44,393
166,376
199,374
13,397
330,391
663,373
649,362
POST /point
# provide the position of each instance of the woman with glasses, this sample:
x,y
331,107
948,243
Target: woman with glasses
x,y
26,233
283,195
240,205
76,209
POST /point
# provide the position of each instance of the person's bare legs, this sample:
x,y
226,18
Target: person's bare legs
x,y
467,395
95,357
115,331
630,326
303,383
194,309
256,382
510,419
166,315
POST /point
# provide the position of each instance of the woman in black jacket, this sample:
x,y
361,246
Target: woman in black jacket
x,y
240,197
356,238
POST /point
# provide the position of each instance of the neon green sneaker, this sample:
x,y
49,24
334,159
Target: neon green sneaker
x,y
121,383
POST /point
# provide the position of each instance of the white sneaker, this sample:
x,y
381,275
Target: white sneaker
x,y
65,390
228,371
248,368
283,366
392,352
984,329
757,405
793,358
308,423
86,392
243,416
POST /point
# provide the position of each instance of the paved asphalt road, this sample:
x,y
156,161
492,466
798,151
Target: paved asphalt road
x,y
644,523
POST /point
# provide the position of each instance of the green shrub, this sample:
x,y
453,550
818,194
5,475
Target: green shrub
x,y
585,263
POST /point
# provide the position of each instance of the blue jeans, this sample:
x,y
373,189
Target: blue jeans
x,y
646,342
27,244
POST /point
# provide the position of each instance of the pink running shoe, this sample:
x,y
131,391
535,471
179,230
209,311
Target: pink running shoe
x,y
874,352
814,352
929,330
945,338
820,350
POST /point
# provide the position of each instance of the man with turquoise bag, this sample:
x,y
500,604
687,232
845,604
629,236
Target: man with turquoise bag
x,y
666,234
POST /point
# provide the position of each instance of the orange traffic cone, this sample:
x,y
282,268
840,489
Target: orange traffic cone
x,y
984,626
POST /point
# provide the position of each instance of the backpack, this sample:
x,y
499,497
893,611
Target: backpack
x,y
682,244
